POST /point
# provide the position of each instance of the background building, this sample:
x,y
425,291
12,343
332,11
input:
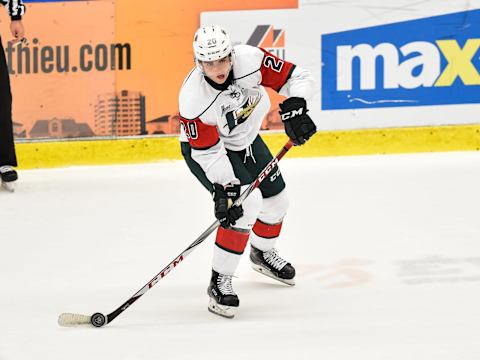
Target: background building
x,y
167,124
60,128
120,114
19,130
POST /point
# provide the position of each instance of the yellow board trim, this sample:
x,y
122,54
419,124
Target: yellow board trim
x,y
32,155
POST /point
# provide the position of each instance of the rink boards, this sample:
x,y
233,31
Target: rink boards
x,y
326,143
400,78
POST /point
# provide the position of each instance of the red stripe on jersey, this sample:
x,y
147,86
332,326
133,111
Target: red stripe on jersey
x,y
231,240
275,71
200,136
267,231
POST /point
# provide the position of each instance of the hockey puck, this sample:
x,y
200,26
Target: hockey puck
x,y
98,320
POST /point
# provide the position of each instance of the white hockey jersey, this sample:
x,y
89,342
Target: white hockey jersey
x,y
214,120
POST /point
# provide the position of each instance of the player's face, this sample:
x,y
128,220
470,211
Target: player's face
x,y
217,70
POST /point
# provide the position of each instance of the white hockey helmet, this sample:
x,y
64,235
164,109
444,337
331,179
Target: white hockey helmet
x,y
211,43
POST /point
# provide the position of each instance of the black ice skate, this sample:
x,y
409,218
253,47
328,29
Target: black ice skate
x,y
271,264
8,176
223,300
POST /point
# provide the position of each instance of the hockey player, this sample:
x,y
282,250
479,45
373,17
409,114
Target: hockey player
x,y
8,175
222,104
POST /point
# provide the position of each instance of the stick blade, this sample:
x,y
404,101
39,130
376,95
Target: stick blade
x,y
70,319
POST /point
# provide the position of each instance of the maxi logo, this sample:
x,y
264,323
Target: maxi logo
x,y
459,62
400,74
431,61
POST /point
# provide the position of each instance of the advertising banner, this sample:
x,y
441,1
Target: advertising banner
x,y
377,64
61,77
429,61
105,67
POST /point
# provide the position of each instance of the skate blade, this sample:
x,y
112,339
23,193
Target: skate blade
x,y
222,310
9,186
266,272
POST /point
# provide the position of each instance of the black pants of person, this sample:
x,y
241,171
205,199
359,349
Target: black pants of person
x,y
246,168
7,147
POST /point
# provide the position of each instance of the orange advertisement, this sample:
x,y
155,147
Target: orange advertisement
x,y
105,68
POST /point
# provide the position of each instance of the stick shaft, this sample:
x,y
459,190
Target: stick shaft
x,y
263,174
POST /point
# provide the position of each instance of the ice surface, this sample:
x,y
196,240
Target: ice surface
x,y
387,250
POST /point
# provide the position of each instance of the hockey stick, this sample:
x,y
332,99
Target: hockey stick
x,y
99,320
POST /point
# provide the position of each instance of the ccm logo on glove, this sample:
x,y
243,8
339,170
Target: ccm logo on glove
x,y
291,114
298,125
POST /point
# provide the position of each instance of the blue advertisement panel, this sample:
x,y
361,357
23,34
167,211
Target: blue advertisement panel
x,y
429,61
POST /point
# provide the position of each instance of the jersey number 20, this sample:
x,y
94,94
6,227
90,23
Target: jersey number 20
x,y
273,63
190,129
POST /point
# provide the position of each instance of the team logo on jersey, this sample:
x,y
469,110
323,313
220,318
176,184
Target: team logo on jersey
x,y
235,94
429,61
272,40
242,113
